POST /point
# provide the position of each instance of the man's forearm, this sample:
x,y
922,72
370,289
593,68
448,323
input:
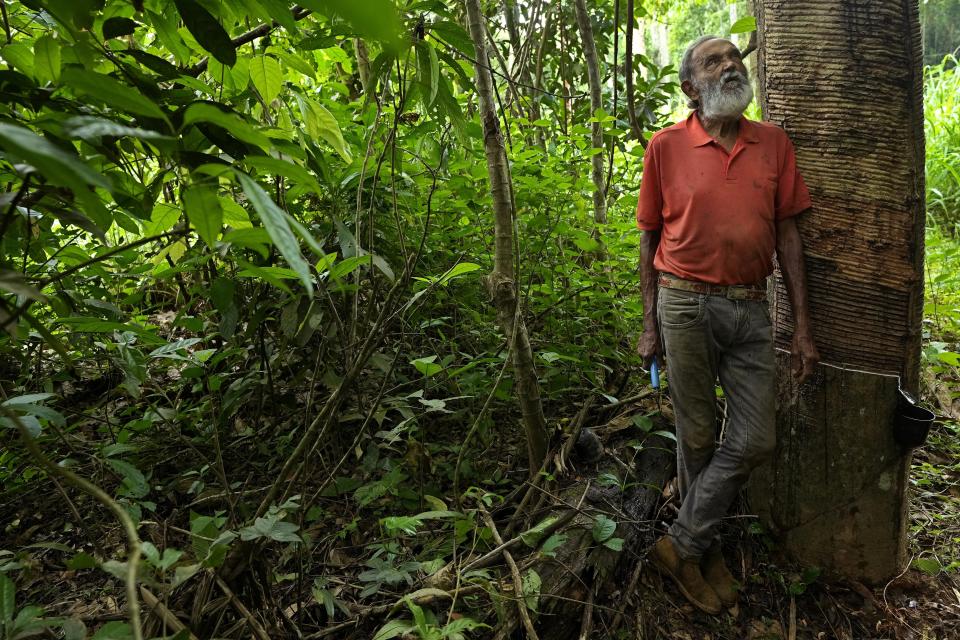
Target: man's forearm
x,y
790,257
649,242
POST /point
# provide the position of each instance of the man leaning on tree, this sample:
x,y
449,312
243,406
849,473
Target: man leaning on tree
x,y
720,195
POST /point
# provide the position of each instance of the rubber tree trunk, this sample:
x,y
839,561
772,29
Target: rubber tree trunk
x,y
844,78
501,283
593,79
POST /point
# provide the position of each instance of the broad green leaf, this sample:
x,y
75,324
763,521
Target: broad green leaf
x,y
287,169
271,528
20,57
615,544
453,34
603,528
58,167
275,220
394,629
114,630
531,589
133,479
117,26
427,366
92,127
235,79
46,59
166,23
321,125
105,89
8,594
203,210
208,32
531,537
372,19
459,269
345,267
162,219
744,25
204,112
428,71
234,215
267,76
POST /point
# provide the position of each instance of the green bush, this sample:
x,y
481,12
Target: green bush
x,y
942,109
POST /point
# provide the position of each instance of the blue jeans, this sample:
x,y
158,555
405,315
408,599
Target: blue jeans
x,y
707,337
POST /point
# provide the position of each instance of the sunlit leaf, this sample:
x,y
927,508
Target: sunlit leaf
x,y
209,33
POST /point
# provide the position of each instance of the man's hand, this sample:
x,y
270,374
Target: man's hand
x,y
803,356
650,346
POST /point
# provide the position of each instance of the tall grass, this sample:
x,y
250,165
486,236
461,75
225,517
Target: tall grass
x,y
942,115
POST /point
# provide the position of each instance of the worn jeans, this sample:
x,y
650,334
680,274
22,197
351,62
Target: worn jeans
x,y
707,337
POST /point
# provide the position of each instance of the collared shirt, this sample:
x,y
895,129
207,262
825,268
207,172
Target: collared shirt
x,y
717,211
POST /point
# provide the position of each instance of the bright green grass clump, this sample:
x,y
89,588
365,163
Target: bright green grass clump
x,y
942,114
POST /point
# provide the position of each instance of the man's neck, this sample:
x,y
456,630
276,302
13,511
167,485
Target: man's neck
x,y
720,128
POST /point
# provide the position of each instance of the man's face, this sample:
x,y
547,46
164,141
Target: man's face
x,y
719,81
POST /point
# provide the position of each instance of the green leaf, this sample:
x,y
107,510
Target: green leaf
x,y
92,128
105,89
745,24
930,566
114,630
203,210
321,125
267,76
19,56
287,169
531,537
428,71
275,220
272,528
8,594
204,112
531,589
58,167
615,544
427,366
371,19
394,629
46,59
117,26
457,270
208,32
134,481
166,24
162,219
603,528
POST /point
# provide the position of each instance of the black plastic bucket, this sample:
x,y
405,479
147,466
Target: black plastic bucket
x,y
911,423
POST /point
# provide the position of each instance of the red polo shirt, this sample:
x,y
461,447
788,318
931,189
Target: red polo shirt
x,y
717,210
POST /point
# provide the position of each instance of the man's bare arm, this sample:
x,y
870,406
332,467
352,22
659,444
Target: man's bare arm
x,y
649,345
804,355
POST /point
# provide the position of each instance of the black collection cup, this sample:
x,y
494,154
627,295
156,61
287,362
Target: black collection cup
x,y
911,423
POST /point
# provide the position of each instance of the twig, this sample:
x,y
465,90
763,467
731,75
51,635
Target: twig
x,y
133,540
586,625
255,626
491,557
299,13
792,631
517,580
164,613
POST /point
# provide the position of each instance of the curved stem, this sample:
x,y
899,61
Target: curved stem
x,y
133,539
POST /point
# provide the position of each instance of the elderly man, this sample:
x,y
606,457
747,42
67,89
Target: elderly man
x,y
720,194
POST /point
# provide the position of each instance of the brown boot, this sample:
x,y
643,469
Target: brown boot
x,y
686,573
717,575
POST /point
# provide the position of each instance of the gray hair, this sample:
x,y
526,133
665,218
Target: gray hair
x,y
686,64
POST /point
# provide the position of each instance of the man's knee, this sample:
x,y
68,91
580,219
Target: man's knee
x,y
760,448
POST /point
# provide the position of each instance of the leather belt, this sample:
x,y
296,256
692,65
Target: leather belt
x,y
755,292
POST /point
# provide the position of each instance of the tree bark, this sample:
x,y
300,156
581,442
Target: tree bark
x,y
593,78
501,283
836,491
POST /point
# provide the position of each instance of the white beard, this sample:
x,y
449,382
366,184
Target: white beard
x,y
724,101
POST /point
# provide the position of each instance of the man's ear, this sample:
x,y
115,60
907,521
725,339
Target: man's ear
x,y
687,87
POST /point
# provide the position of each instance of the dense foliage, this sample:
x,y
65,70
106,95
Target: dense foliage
x,y
242,249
